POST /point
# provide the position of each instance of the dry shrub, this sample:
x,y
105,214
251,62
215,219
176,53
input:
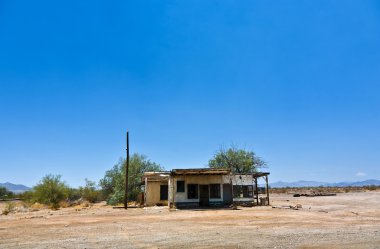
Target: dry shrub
x,y
37,206
278,190
134,204
21,207
9,208
82,205
371,187
64,204
85,204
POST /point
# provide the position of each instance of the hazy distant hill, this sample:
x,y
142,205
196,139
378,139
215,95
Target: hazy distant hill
x,y
297,184
358,184
15,188
325,184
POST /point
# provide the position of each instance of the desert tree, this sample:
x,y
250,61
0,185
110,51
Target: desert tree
x,y
237,160
51,190
112,185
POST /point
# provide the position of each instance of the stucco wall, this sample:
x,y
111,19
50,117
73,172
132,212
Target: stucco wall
x,y
242,179
152,193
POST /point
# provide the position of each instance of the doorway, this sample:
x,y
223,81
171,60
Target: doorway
x,y
164,192
227,193
204,195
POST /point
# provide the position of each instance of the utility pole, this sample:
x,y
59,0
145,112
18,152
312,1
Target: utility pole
x,y
126,175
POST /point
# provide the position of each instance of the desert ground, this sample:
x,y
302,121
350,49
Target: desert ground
x,y
348,220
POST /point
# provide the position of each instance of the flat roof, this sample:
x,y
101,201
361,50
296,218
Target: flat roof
x,y
254,174
160,173
200,171
156,176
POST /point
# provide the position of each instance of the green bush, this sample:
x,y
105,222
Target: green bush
x,y
50,191
73,194
113,184
89,192
26,196
116,198
5,194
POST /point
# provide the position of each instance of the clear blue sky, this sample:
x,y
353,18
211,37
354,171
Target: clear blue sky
x,y
297,81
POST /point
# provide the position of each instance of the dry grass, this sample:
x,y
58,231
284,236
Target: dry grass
x,y
15,207
64,204
293,190
37,206
9,208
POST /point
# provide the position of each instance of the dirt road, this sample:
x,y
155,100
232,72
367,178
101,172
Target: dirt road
x,y
349,220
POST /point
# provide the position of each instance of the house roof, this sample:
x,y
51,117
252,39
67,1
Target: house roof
x,y
156,176
164,175
254,174
200,171
155,173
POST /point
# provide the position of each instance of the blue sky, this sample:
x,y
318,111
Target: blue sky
x,y
295,81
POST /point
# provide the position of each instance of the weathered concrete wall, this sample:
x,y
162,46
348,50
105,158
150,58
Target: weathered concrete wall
x,y
200,180
243,199
242,180
152,193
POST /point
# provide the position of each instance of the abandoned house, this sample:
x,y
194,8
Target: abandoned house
x,y
203,187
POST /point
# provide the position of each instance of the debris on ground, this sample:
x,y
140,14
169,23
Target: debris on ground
x,y
314,194
296,207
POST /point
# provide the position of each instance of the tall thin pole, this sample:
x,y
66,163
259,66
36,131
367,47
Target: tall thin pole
x,y
267,187
126,175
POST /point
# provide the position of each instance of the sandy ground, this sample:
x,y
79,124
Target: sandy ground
x,y
349,220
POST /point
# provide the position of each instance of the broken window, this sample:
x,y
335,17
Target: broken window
x,y
243,191
248,191
180,186
163,192
238,191
192,191
214,190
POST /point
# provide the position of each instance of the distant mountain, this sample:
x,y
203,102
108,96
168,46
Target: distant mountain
x,y
297,184
357,184
15,188
324,184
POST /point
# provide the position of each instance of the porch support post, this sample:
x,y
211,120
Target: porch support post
x,y
171,192
145,190
232,189
257,192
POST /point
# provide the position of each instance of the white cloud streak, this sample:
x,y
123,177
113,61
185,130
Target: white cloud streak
x,y
361,174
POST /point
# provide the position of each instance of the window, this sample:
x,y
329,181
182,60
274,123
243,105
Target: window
x,y
180,186
248,191
214,190
245,191
238,191
163,192
192,191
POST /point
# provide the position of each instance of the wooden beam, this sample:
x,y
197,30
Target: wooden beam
x,y
232,191
145,190
257,192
